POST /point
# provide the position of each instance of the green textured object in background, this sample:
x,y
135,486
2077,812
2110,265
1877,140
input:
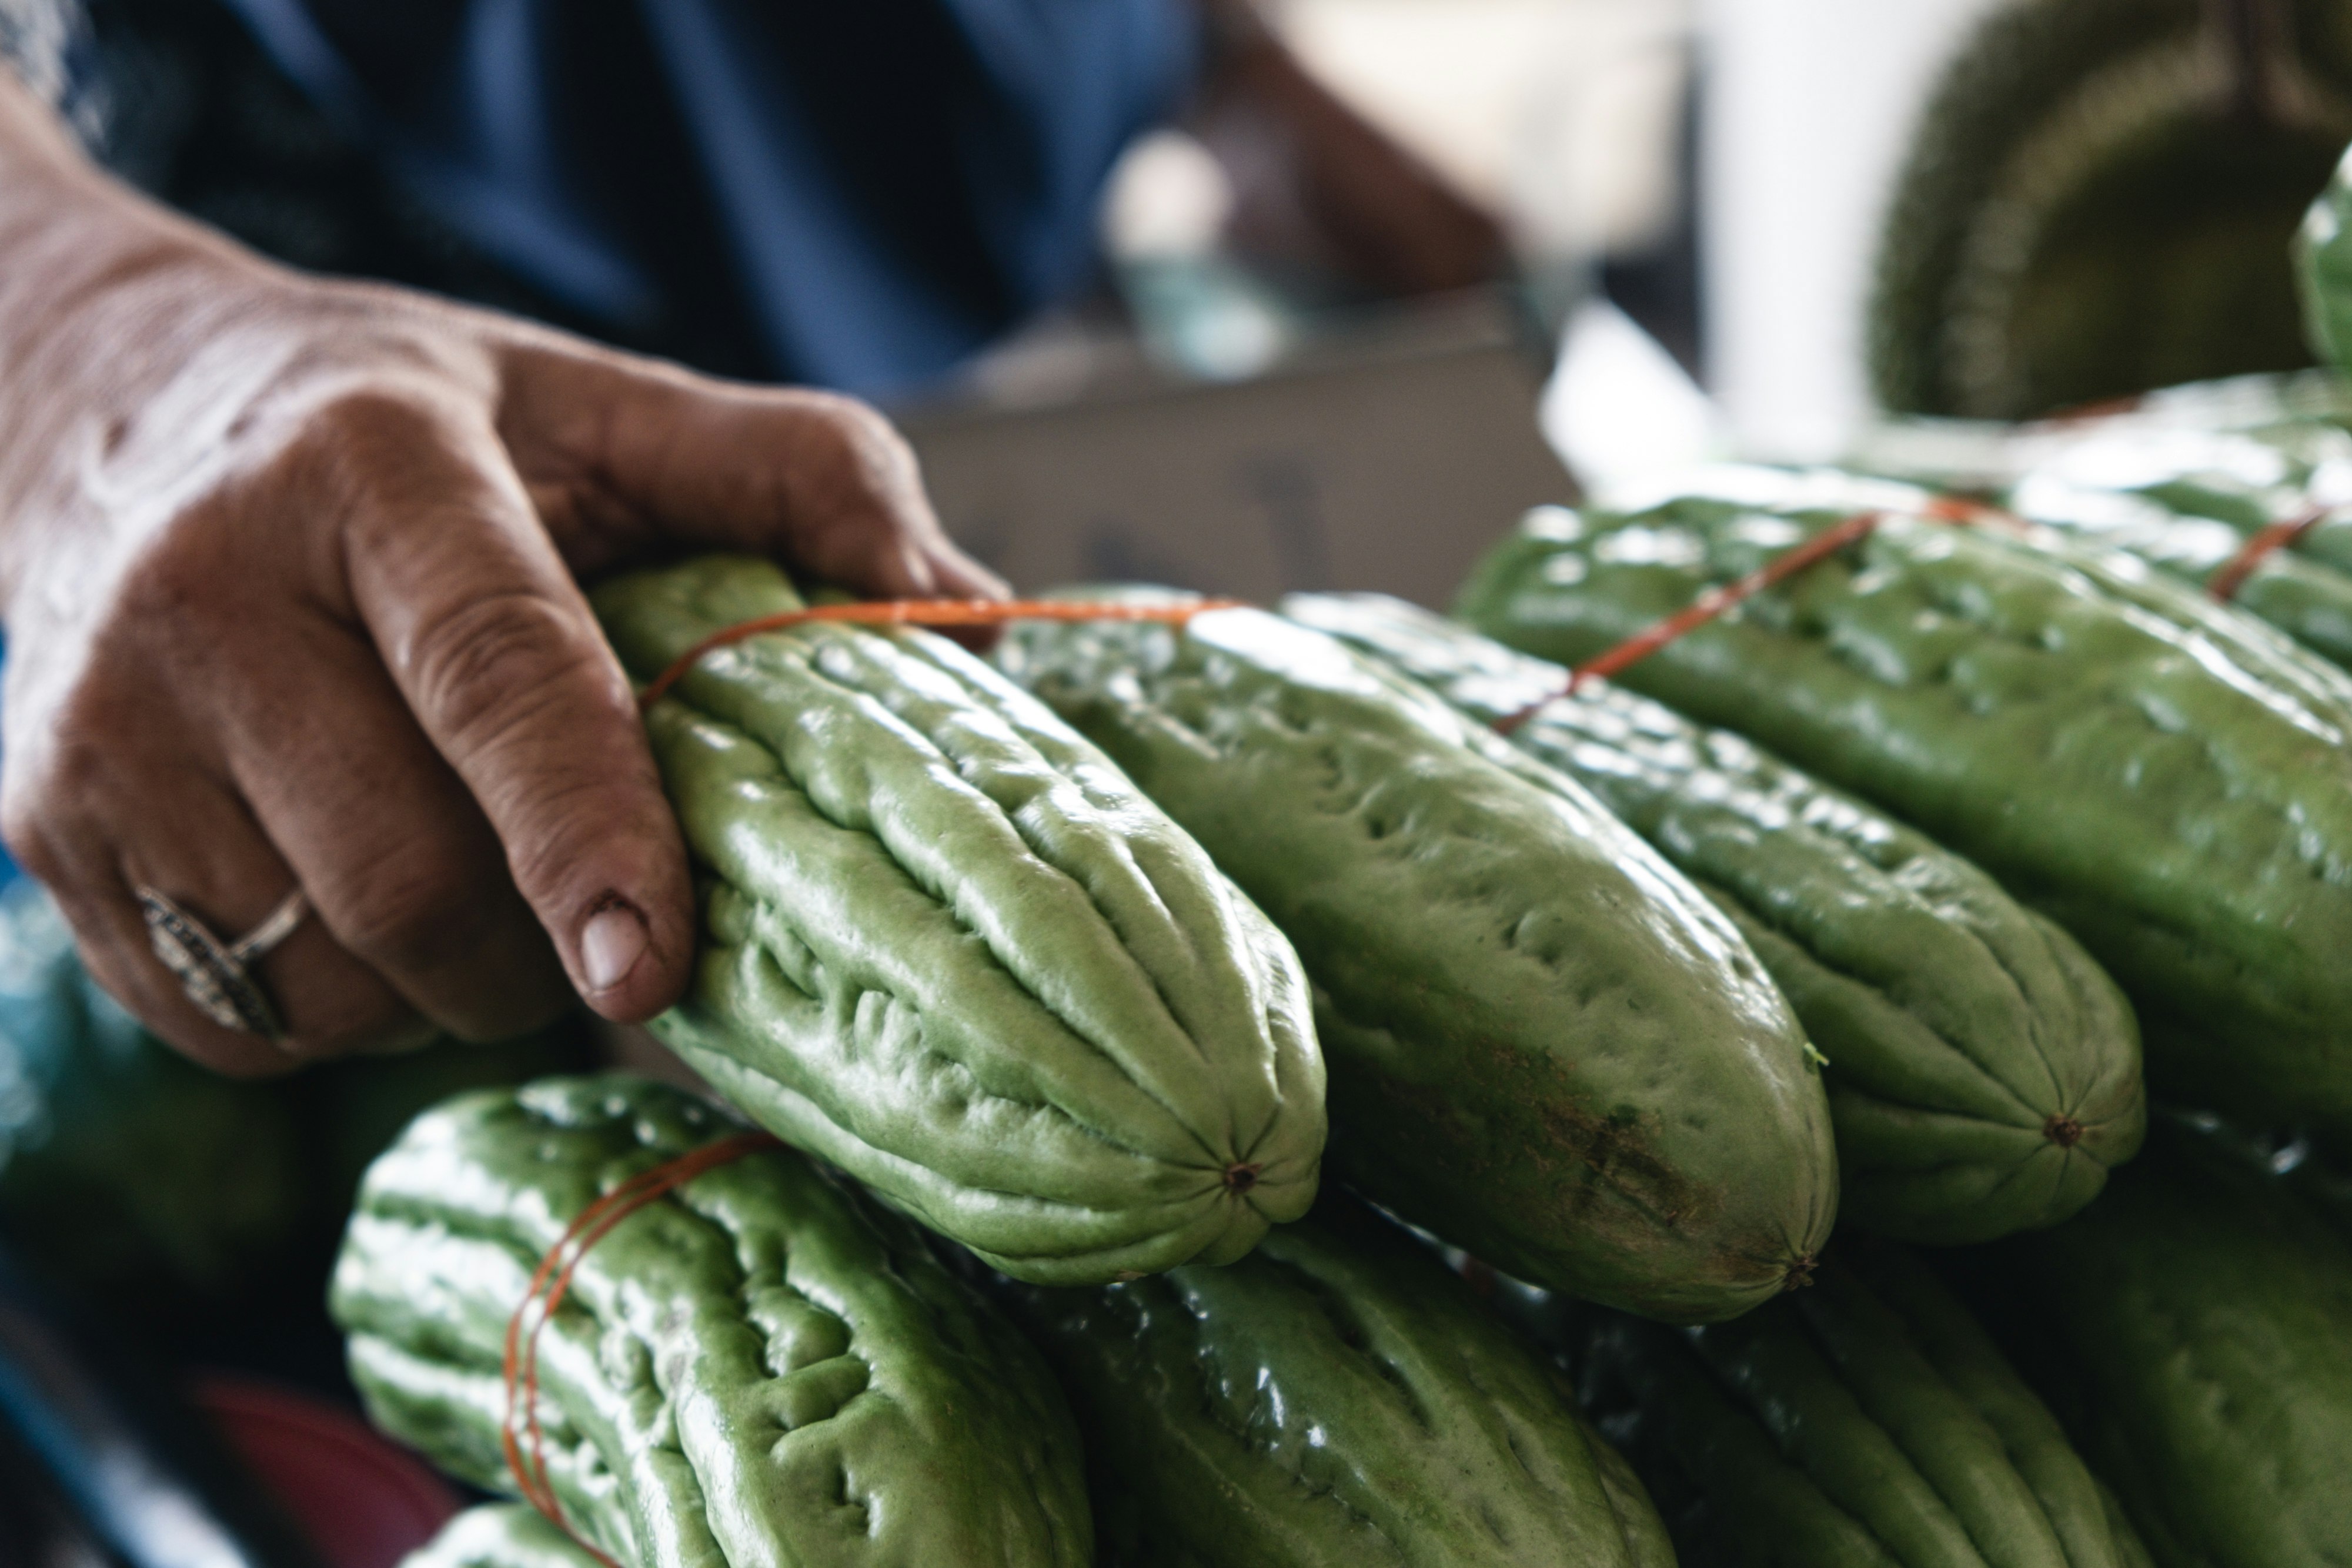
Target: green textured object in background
x,y
2100,200
949,949
2168,778
1336,1400
758,1369
2193,1329
1545,1045
1983,1073
1867,1423
2322,268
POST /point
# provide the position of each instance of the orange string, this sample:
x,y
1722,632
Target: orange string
x,y
1956,510
1710,605
552,1279
2224,583
929,612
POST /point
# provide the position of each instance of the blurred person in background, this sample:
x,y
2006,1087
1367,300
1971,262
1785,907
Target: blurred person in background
x,y
288,560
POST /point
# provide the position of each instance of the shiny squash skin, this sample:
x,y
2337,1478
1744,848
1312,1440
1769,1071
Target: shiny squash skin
x,y
501,1535
757,1370
951,949
1866,1423
2167,779
2194,1328
1544,1044
1983,1073
1335,1400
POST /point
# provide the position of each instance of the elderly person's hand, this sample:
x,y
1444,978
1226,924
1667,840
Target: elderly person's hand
x,y
287,567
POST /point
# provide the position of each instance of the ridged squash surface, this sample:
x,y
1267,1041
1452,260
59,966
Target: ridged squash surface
x,y
757,1370
1544,1044
1335,1400
1983,1073
2167,779
1867,1423
2194,1328
2189,501
949,947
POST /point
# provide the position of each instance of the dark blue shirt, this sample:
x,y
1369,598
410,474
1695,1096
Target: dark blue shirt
x,y
868,190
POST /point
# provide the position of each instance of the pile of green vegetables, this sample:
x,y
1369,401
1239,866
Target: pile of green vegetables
x,y
1309,1088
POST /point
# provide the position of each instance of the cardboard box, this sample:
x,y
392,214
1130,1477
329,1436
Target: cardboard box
x,y
1385,460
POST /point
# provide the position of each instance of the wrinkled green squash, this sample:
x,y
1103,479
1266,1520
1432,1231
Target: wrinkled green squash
x,y
757,1370
951,949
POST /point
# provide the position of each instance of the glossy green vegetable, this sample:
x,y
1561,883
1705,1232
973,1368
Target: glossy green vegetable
x,y
758,1369
124,1167
500,1535
1983,1073
1864,1423
2194,1328
2187,502
1544,1044
951,949
2322,268
1336,1400
2167,779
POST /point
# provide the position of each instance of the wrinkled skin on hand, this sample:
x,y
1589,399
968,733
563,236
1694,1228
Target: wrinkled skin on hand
x,y
290,566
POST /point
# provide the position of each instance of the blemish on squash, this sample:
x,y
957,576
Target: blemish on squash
x,y
1239,1179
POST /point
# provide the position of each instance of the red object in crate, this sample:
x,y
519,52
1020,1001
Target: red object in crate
x,y
362,1501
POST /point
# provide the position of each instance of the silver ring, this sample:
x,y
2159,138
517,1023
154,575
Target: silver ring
x,y
217,975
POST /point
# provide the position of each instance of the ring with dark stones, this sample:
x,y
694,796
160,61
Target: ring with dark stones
x,y
217,975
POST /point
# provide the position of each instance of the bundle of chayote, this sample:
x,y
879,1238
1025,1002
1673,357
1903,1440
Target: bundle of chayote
x,y
2168,778
1983,1073
2193,1329
1867,1423
951,949
757,1369
1545,1045
1335,1400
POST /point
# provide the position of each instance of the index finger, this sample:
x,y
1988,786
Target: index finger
x,y
495,650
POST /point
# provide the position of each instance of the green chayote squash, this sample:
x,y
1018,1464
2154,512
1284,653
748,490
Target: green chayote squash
x,y
2186,501
1545,1045
125,1168
1335,1400
2167,779
2322,268
951,949
757,1370
1866,1423
2193,1329
1983,1073
501,1535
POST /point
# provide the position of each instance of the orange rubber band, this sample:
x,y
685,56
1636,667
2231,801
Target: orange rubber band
x,y
552,1280
1707,607
2223,584
929,612
1956,510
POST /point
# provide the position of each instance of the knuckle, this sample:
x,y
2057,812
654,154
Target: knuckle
x,y
862,446
407,911
491,665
